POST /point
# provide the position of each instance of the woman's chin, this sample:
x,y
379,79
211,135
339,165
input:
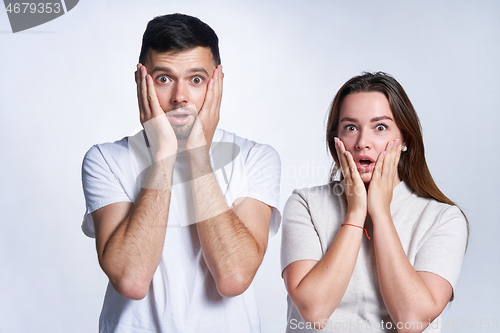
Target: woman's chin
x,y
366,177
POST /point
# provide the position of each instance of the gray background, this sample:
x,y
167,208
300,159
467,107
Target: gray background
x,y
68,84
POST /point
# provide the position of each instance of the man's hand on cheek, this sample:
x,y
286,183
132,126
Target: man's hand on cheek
x,y
208,117
160,134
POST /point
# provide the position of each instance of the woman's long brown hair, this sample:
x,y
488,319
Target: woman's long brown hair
x,y
412,166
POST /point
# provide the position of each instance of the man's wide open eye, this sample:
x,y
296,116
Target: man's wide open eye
x,y
197,80
163,79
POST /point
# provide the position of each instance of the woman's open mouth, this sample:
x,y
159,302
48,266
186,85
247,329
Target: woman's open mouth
x,y
365,164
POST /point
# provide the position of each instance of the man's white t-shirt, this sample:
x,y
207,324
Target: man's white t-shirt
x,y
183,296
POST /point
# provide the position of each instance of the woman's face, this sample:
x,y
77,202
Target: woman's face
x,y
366,125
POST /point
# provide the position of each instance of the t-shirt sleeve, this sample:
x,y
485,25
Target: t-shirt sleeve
x,y
100,187
443,252
263,172
300,240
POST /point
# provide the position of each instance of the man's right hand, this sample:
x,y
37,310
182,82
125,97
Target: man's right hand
x,y
161,136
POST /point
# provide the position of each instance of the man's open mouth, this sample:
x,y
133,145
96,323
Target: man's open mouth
x,y
180,116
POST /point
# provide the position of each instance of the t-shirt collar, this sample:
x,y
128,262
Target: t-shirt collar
x,y
401,192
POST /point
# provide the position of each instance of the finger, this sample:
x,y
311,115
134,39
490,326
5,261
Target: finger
x,y
353,169
138,80
139,93
211,104
153,101
209,97
341,156
390,162
218,89
379,165
386,166
343,162
143,94
215,91
397,155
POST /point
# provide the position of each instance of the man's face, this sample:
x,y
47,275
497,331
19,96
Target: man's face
x,y
181,80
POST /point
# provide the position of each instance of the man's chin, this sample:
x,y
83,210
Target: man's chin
x,y
182,132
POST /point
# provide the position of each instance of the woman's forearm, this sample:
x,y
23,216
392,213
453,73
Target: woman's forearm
x,y
406,296
317,291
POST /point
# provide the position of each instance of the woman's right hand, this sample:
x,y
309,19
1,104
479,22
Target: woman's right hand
x,y
355,189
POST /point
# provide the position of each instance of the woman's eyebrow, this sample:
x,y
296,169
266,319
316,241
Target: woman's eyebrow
x,y
381,118
353,120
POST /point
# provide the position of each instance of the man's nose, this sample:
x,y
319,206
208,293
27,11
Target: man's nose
x,y
180,94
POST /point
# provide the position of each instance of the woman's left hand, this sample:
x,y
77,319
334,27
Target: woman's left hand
x,y
384,179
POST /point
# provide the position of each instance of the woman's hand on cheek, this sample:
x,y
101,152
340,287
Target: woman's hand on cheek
x,y
384,177
354,187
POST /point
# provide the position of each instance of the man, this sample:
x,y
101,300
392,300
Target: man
x,y
181,211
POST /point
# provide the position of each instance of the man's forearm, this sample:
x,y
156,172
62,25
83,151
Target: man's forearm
x,y
231,252
132,253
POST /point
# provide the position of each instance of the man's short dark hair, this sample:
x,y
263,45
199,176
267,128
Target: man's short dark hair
x,y
178,32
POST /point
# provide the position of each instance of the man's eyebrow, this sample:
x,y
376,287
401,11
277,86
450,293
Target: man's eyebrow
x,y
169,70
161,69
198,70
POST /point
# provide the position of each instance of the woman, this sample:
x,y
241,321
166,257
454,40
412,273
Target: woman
x,y
382,249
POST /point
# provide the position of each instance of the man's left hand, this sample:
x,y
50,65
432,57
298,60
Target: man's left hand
x,y
204,127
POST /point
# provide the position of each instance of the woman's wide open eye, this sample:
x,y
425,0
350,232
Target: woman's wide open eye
x,y
350,128
381,127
